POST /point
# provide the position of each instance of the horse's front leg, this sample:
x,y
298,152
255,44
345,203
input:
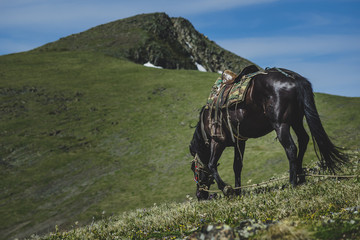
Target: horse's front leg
x,y
216,151
238,164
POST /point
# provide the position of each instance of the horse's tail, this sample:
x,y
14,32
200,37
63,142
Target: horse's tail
x,y
329,155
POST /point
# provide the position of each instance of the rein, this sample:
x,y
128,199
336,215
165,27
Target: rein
x,y
200,167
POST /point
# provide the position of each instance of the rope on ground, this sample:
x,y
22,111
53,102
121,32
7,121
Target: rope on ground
x,y
332,176
282,178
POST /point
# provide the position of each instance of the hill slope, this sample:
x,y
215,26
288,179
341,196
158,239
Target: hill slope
x,y
171,43
84,136
323,208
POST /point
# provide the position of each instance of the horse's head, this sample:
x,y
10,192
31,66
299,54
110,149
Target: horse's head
x,y
201,153
202,177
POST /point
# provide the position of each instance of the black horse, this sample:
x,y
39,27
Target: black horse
x,y
276,100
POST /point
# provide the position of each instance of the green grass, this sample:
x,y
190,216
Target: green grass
x,y
319,209
86,136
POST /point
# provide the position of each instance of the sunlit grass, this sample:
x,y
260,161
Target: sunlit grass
x,y
308,210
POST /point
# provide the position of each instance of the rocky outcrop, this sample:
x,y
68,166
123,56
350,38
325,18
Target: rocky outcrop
x,y
204,51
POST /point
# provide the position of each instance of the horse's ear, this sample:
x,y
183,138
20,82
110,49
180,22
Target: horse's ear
x,y
192,152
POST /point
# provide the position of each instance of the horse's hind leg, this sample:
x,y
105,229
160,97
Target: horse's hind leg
x,y
303,140
284,136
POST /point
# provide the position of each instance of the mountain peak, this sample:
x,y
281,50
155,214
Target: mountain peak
x,y
171,43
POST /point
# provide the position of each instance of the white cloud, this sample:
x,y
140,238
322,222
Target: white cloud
x,y
289,46
41,12
201,6
334,77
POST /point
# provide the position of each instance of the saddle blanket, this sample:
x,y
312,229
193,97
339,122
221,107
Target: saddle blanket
x,y
223,95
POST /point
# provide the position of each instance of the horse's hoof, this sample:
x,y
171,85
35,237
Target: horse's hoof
x,y
301,180
237,192
228,191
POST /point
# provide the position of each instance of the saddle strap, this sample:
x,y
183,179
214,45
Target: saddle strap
x,y
203,128
281,71
229,123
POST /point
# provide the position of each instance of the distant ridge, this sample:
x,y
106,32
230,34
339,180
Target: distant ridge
x,y
171,43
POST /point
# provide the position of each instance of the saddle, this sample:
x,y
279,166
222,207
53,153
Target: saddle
x,y
228,90
231,88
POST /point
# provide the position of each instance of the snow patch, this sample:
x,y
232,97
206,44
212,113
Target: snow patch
x,y
200,67
188,44
149,64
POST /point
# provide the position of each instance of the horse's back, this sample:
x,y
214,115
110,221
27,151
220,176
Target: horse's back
x,y
276,93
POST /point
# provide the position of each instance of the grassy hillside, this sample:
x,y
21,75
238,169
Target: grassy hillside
x,y
85,136
320,209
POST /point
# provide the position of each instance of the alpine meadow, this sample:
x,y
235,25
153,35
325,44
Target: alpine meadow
x,y
94,145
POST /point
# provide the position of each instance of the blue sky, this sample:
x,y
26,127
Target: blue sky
x,y
319,39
